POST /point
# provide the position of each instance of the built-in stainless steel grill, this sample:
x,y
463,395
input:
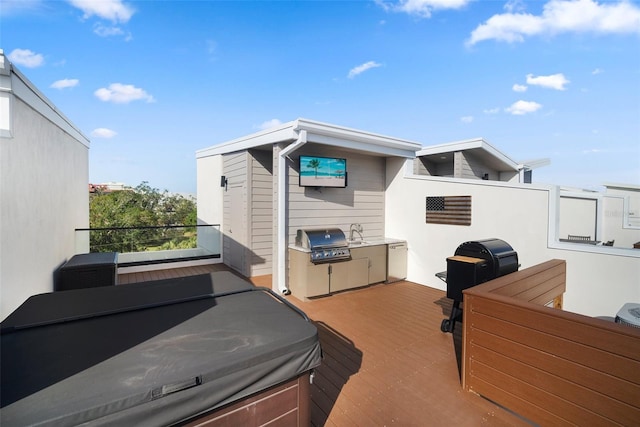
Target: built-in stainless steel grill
x,y
325,244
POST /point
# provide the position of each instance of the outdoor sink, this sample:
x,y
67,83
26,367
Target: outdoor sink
x,y
357,242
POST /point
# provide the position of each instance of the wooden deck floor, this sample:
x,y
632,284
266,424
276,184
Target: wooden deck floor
x,y
385,362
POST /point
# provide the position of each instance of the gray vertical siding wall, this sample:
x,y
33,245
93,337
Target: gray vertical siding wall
x,y
235,169
362,201
261,212
465,165
422,166
252,174
468,166
250,177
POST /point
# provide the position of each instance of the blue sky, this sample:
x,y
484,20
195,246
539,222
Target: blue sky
x,y
151,82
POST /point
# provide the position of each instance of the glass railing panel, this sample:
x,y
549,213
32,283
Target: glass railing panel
x,y
202,240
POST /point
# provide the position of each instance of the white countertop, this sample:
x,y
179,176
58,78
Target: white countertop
x,y
364,243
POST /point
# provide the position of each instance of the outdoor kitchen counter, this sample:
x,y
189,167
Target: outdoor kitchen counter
x,y
367,265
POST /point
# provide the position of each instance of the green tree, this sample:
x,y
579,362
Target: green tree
x,y
146,210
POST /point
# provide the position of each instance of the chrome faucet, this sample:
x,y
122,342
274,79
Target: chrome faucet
x,y
357,228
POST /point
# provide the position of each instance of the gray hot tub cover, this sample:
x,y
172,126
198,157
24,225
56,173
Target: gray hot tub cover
x,y
154,353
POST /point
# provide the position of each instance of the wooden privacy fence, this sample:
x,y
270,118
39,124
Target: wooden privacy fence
x,y
550,366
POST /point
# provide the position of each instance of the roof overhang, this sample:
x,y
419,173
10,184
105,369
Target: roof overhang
x,y
619,186
535,164
14,83
481,149
319,133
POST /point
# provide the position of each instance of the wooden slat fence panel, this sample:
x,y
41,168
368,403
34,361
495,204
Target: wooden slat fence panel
x,y
539,278
550,366
625,391
518,321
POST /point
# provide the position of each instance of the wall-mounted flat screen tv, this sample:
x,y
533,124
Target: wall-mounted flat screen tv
x,y
318,171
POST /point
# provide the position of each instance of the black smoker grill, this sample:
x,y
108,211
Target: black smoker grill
x,y
473,263
326,245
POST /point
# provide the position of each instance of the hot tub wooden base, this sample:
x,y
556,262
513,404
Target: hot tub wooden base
x,y
286,404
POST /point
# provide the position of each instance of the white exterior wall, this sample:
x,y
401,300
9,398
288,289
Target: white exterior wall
x,y
578,217
622,214
209,196
599,284
44,197
616,224
599,279
517,215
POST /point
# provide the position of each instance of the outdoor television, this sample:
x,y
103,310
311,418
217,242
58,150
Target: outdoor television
x,y
318,171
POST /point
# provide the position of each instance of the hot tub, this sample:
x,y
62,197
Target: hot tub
x,y
156,353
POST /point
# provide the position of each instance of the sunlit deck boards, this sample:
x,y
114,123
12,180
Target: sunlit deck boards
x,y
145,276
386,362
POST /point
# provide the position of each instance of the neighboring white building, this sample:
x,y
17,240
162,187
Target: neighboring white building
x,y
609,218
630,196
44,171
473,159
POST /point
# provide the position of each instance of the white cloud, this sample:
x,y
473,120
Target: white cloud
x,y
270,124
64,83
554,81
112,10
514,6
362,68
597,71
26,58
561,16
519,88
421,8
103,133
122,94
15,8
106,31
593,151
507,27
520,108
492,110
466,119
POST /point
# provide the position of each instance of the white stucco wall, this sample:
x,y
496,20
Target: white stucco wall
x,y
578,217
44,197
599,280
621,216
209,195
499,210
599,284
